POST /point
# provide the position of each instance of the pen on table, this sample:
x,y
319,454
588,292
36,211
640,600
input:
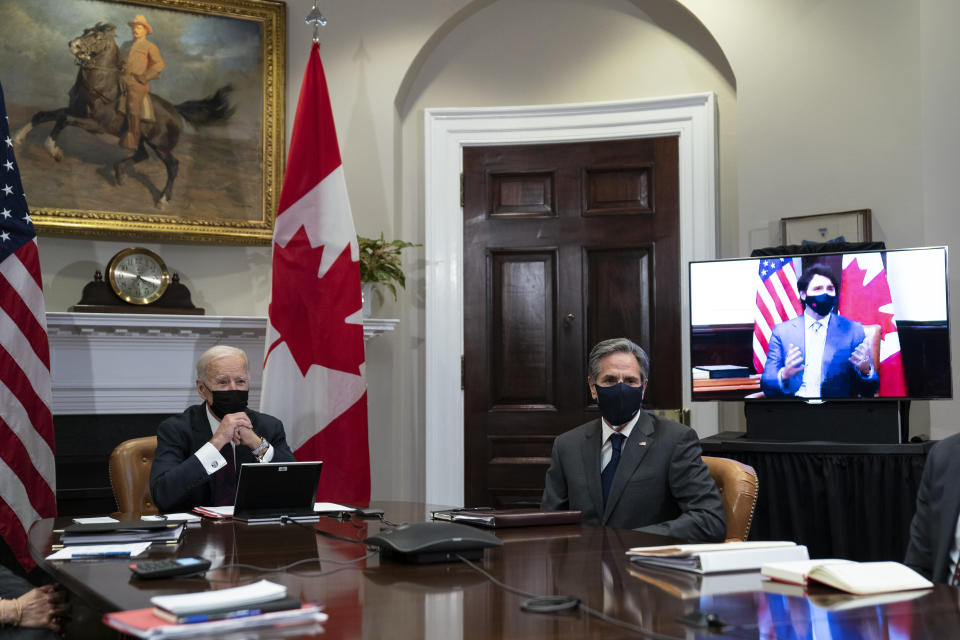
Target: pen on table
x,y
203,617
104,554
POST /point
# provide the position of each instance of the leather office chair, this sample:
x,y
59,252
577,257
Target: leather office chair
x,y
129,471
738,487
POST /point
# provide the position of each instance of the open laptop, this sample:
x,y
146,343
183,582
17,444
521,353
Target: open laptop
x,y
267,491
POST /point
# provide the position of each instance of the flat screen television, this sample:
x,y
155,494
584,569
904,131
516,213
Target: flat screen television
x,y
886,332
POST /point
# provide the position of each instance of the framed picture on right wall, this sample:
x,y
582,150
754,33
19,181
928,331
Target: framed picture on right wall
x,y
843,226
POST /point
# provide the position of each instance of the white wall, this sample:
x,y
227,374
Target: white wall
x,y
837,106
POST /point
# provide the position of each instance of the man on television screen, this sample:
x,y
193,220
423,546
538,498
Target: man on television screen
x,y
819,354
631,469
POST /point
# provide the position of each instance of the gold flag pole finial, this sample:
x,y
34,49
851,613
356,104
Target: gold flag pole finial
x,y
317,20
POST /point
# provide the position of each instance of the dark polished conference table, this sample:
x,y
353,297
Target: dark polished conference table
x,y
381,598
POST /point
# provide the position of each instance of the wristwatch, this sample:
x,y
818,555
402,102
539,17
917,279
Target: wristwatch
x,y
261,449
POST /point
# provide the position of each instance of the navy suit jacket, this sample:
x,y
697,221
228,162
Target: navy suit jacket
x,y
840,379
178,481
938,506
661,484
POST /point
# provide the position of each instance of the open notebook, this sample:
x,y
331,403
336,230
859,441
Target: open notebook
x,y
271,490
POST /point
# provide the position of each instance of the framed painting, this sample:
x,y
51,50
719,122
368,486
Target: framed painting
x,y
844,226
200,159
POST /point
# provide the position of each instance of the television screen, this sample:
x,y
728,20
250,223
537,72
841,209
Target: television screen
x,y
821,326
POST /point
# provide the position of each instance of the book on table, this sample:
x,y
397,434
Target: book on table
x,y
860,578
712,558
717,371
230,611
240,597
122,532
504,518
795,572
142,623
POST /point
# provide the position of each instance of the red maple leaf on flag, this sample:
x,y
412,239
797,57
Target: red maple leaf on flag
x,y
328,341
871,303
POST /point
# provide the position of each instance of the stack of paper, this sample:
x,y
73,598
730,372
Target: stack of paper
x,y
122,532
206,613
142,623
711,558
239,597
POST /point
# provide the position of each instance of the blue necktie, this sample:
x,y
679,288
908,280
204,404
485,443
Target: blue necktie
x,y
606,476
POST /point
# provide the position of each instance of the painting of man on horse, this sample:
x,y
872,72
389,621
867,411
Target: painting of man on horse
x,y
98,103
101,150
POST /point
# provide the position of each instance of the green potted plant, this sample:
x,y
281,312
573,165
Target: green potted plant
x,y
380,264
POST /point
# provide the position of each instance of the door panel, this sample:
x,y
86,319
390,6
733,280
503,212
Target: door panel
x,y
564,245
521,333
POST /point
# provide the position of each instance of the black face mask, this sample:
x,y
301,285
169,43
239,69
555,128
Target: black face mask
x,y
619,402
821,304
230,401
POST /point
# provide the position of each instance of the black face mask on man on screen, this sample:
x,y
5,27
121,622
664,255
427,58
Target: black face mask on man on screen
x,y
821,304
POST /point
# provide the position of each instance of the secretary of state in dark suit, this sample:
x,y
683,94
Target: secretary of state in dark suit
x,y
932,549
631,469
191,466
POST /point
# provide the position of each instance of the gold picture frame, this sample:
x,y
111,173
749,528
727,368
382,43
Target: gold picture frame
x,y
842,226
223,70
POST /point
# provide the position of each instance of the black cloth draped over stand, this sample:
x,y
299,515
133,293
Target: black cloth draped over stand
x,y
850,501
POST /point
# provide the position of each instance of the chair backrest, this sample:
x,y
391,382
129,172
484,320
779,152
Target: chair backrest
x,y
129,471
738,486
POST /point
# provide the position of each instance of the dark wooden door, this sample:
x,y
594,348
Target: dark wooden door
x,y
564,245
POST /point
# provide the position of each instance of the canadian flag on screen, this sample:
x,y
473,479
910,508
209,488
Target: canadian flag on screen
x,y
865,297
313,374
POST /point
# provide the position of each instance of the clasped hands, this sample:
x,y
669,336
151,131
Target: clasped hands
x,y
861,359
235,428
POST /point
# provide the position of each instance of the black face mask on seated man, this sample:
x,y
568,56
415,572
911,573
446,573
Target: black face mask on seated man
x,y
228,401
619,402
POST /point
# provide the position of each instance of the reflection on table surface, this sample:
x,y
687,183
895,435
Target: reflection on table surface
x,y
376,598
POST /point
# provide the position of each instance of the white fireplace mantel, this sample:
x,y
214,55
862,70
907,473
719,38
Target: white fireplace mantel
x,y
110,363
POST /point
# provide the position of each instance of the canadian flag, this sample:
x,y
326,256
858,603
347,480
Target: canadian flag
x,y
865,297
313,373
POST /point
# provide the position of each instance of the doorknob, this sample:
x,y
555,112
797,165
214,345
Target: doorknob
x,y
570,318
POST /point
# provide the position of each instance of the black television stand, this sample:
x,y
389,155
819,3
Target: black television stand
x,y
860,421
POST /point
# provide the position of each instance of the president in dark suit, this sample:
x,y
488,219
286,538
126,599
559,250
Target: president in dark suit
x,y
199,452
819,354
934,532
630,469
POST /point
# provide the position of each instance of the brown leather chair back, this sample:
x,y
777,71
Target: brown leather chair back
x,y
129,470
738,487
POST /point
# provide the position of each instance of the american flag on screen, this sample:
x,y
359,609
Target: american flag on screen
x,y
777,300
27,477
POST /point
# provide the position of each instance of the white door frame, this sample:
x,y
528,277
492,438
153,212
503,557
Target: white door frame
x,y
690,117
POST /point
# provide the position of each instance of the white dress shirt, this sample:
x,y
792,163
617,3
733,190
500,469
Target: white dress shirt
x,y
815,338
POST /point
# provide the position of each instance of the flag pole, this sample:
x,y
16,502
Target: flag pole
x,y
317,20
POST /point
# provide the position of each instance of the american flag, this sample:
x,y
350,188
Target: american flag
x,y
27,476
777,300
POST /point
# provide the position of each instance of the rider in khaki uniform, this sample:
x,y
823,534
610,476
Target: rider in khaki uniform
x,y
143,65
